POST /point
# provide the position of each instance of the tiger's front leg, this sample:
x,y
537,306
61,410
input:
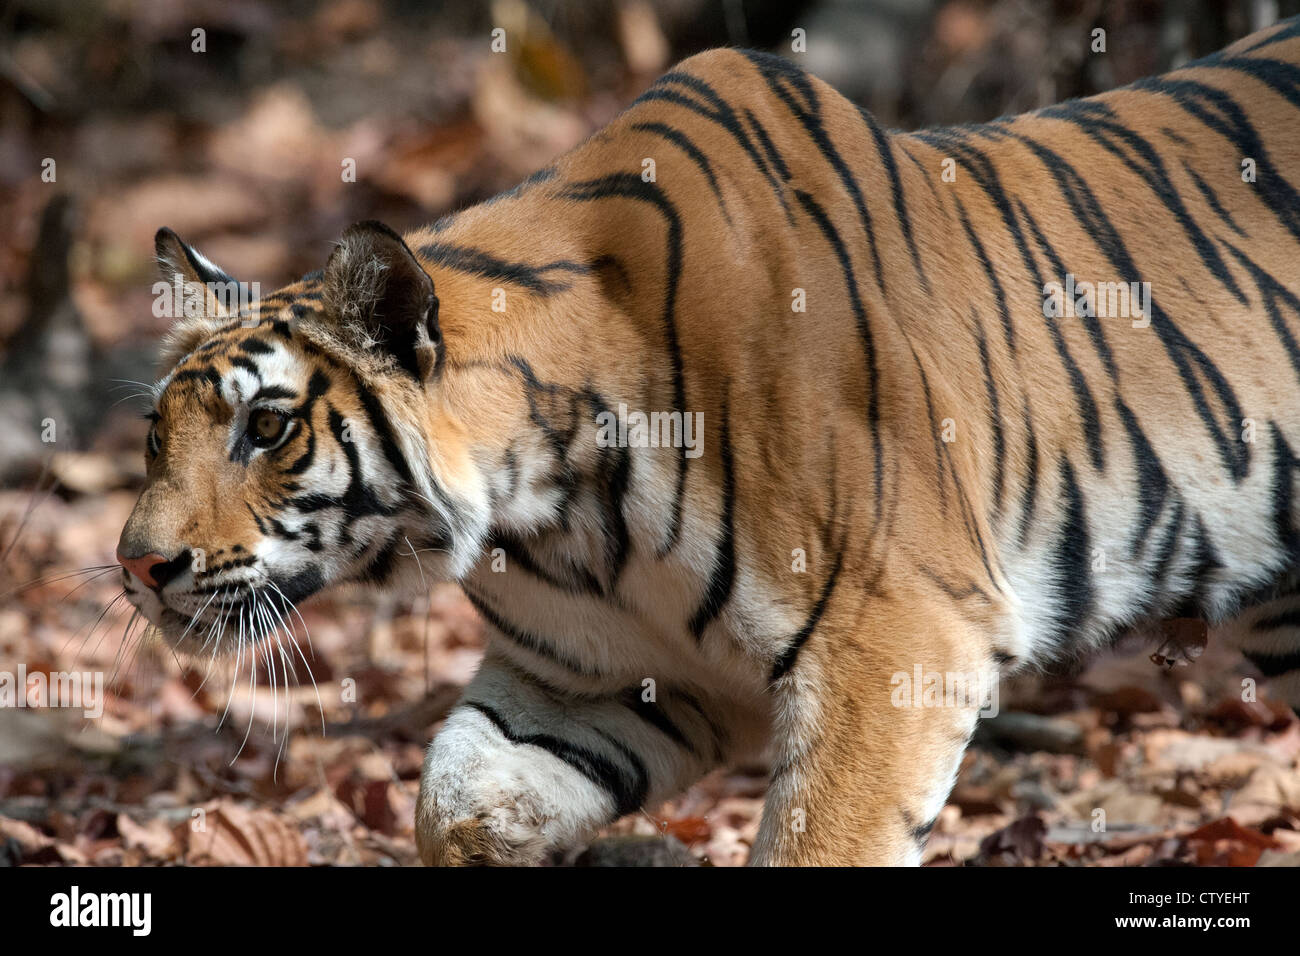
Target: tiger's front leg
x,y
521,768
865,754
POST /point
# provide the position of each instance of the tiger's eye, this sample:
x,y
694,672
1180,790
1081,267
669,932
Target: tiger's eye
x,y
266,426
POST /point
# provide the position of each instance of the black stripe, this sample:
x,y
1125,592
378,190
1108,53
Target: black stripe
x,y
1191,362
1152,484
487,266
955,142
1029,494
1087,405
920,832
614,484
936,438
655,716
1100,124
380,568
969,520
308,455
778,71
1284,466
383,430
628,789
1205,561
1091,324
527,639
247,364
995,416
717,111
999,294
1073,559
790,655
1220,112
723,576
272,392
299,585
543,175
257,520
1272,292
1278,622
632,186
769,148
884,147
1167,549
864,332
1272,665
1212,199
359,500
683,142
1287,29
571,578
1280,76
970,590
207,374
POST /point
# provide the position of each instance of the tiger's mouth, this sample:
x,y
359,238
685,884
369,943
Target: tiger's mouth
x,y
216,620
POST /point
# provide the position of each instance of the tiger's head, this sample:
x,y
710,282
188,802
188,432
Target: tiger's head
x,y
289,444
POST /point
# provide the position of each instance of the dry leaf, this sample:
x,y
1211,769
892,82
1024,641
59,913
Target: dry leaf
x,y
233,835
155,838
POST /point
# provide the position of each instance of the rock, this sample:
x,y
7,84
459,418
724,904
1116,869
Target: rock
x,y
634,850
1023,731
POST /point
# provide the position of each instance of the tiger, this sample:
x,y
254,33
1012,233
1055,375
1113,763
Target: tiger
x,y
745,411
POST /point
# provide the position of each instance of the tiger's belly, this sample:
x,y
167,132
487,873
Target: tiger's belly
x,y
1104,560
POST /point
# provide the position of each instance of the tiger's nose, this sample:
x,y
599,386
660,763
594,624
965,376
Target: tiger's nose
x,y
154,569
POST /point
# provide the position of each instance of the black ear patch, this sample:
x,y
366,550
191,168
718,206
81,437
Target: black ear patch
x,y
177,256
377,289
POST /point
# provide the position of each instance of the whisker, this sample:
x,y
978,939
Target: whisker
x,y
288,630
58,576
124,656
293,608
131,381
234,680
252,709
81,649
428,610
32,505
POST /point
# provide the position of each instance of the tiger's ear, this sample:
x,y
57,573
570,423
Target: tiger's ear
x,y
383,299
200,296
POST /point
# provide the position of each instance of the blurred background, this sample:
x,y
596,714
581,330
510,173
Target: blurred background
x,y
116,118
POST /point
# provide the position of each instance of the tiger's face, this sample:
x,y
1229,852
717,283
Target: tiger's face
x,y
277,468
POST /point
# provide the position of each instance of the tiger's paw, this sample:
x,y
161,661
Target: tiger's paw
x,y
486,800
479,841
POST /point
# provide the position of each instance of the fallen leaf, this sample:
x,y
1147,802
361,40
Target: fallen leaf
x,y
234,835
689,829
154,838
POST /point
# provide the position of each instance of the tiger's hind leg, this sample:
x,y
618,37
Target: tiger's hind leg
x,y
865,758
1268,635
521,768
